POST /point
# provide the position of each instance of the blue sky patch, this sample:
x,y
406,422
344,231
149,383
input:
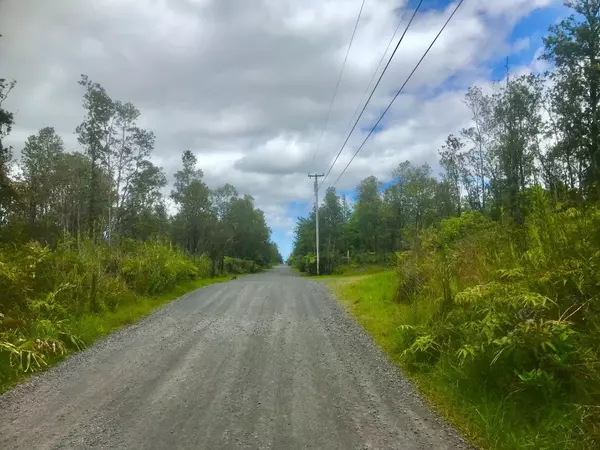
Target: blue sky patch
x,y
524,41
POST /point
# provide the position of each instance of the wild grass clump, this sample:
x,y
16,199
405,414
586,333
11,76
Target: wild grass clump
x,y
155,268
515,327
238,266
55,301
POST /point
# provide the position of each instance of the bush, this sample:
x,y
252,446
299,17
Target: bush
x,y
156,267
240,266
44,292
517,311
338,264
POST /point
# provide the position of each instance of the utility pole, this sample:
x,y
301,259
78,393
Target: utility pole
x,y
316,177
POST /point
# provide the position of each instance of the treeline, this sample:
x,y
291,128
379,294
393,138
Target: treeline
x,y
531,130
495,302
112,191
86,240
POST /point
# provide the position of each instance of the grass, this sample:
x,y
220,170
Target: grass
x,y
484,420
90,327
369,299
346,272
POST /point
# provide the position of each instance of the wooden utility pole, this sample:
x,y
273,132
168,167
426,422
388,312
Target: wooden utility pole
x,y
316,177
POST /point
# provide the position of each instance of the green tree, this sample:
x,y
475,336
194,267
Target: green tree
x,y
480,137
517,113
143,213
573,46
192,196
367,217
40,159
96,134
7,192
331,222
250,233
452,160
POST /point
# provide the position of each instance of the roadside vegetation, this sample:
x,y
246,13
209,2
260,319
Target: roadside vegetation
x,y
86,241
492,306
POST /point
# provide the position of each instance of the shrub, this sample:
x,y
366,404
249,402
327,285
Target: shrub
x,y
517,309
240,266
44,291
156,267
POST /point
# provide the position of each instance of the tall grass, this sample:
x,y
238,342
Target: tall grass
x,y
499,324
56,301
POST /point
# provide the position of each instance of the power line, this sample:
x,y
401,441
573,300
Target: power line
x,y
373,91
337,86
377,68
400,90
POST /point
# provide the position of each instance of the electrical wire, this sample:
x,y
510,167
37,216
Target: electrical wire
x,y
337,86
400,90
377,68
373,91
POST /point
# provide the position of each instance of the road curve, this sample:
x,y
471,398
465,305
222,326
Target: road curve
x,y
269,361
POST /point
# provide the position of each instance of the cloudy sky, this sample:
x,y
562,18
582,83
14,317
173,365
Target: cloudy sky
x,y
247,84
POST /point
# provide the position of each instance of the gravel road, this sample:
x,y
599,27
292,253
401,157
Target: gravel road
x,y
269,361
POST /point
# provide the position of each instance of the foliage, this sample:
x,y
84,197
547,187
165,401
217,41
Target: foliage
x,y
240,266
156,268
47,292
86,243
494,309
523,324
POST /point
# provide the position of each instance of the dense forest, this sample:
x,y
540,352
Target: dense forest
x,y
498,257
89,232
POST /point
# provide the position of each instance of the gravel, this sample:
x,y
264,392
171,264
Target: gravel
x,y
268,361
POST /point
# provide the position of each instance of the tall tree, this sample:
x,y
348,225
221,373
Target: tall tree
x,y
517,110
573,46
367,215
96,134
7,192
39,159
121,156
331,224
452,160
192,196
143,212
480,137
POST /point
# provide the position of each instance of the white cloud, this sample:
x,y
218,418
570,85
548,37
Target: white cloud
x,y
246,85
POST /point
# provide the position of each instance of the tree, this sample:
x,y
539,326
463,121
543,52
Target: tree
x,y
221,242
123,161
480,137
417,187
331,224
367,218
250,233
143,213
96,134
573,46
452,160
192,196
7,192
517,111
39,159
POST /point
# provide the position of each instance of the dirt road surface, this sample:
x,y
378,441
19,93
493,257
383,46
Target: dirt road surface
x,y
268,361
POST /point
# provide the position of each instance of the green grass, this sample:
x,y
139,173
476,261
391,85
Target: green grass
x,y
90,327
347,272
485,420
369,299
